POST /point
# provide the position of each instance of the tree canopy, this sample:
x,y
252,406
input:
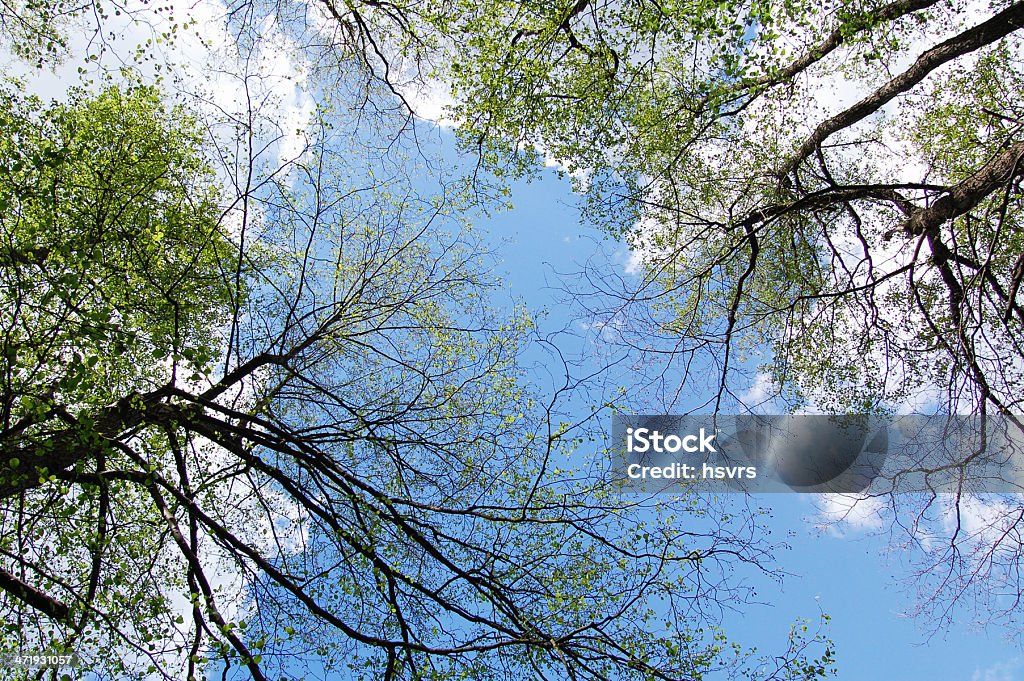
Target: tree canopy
x,y
833,186
286,431
268,419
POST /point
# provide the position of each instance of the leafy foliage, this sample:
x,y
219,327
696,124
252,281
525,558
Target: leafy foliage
x,y
113,280
863,245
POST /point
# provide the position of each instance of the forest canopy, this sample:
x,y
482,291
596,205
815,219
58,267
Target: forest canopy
x,y
831,189
263,419
265,411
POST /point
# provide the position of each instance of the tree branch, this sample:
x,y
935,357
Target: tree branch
x,y
60,450
997,27
35,598
967,194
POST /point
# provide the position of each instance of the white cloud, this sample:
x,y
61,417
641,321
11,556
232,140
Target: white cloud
x,y
607,330
1000,671
841,512
431,100
642,248
762,390
982,521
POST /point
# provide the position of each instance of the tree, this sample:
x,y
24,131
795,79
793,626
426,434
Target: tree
x,y
33,29
826,193
286,431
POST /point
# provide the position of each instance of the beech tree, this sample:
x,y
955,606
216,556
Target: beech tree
x,y
284,431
